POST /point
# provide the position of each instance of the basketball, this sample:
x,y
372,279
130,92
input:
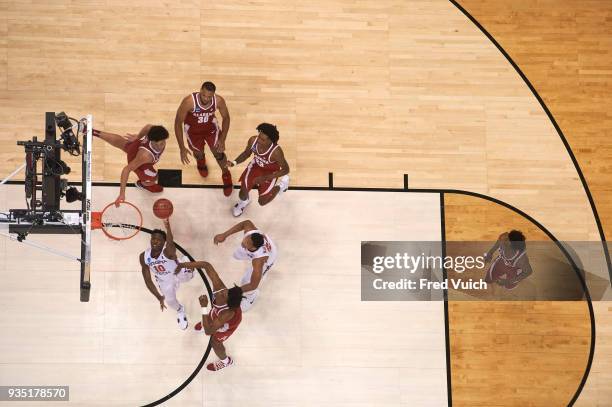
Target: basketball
x,y
162,208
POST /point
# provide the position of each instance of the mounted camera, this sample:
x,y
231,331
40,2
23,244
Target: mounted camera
x,y
70,142
73,194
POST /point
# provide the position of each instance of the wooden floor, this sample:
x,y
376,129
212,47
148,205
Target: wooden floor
x,y
367,90
511,353
564,49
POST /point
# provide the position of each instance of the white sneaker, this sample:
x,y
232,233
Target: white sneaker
x,y
283,183
237,210
181,318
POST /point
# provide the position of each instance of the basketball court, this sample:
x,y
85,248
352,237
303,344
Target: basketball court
x,y
403,123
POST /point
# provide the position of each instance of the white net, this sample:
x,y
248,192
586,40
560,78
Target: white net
x,y
121,222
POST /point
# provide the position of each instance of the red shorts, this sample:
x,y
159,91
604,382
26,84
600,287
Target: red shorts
x,y
145,172
222,336
252,172
197,141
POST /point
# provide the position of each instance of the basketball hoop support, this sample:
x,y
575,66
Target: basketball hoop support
x,y
41,247
12,174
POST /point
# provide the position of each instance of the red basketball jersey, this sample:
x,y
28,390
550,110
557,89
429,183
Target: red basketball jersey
x,y
230,326
202,119
263,159
133,147
504,267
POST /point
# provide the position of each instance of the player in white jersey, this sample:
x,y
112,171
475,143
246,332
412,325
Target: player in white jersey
x,y
161,261
260,250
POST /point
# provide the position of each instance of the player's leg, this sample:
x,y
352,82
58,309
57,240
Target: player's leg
x,y
147,179
221,158
168,289
271,189
216,343
245,185
218,348
113,139
226,176
196,144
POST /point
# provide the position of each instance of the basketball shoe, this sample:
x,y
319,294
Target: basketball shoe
x,y
283,184
202,168
228,186
181,318
220,364
238,209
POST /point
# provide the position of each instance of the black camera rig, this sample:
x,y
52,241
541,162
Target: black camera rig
x,y
44,185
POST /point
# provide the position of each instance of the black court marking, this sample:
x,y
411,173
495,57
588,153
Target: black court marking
x,y
419,190
208,348
580,175
330,180
405,182
557,128
449,387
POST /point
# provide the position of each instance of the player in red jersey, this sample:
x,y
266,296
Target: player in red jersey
x,y
225,316
264,170
143,150
512,264
196,117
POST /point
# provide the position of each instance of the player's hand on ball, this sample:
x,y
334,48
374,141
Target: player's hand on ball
x,y
220,238
185,156
162,305
203,300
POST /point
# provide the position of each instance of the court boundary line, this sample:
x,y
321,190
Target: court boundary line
x,y
568,148
449,387
570,152
330,187
208,348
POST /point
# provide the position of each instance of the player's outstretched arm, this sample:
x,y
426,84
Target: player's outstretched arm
x,y
149,283
210,272
170,251
244,155
244,226
258,265
181,112
142,157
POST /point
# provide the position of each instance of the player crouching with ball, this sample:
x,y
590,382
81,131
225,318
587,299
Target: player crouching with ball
x,y
223,318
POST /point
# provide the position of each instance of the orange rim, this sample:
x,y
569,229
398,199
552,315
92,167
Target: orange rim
x,y
96,222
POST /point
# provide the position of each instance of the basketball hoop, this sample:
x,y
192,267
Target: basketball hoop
x,y
118,223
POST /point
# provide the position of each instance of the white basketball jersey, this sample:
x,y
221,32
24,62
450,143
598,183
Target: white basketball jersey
x,y
268,249
161,267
